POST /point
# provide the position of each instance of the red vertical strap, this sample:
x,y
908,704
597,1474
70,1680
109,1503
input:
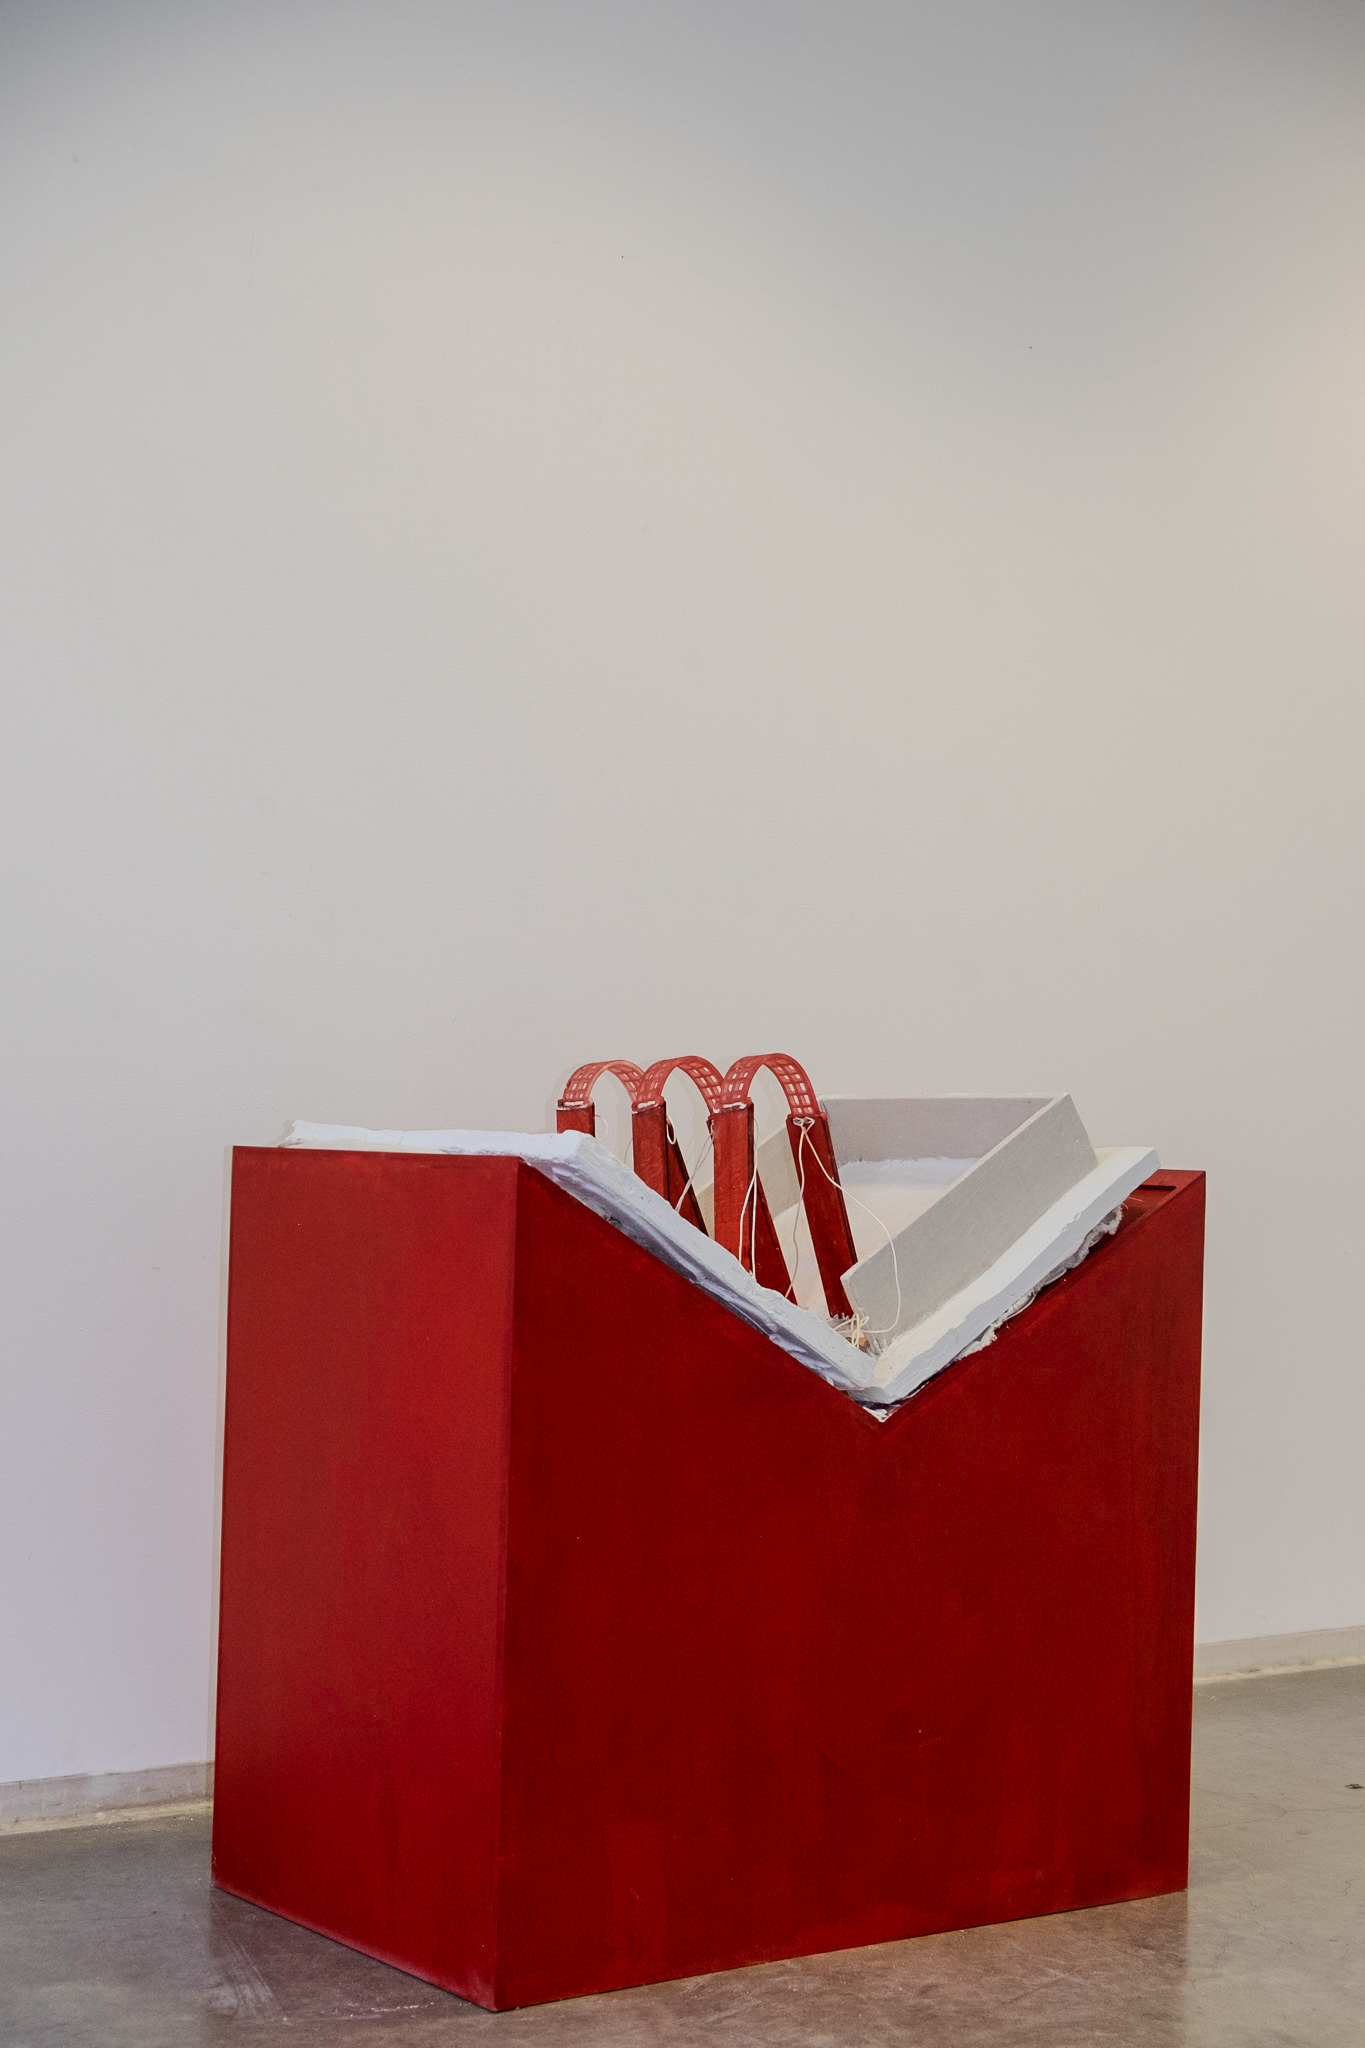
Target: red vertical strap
x,y
744,1223
769,1268
649,1145
658,1160
826,1212
576,1118
732,1136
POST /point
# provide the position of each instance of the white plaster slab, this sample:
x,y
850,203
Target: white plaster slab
x,y
1042,1253
885,1196
954,1182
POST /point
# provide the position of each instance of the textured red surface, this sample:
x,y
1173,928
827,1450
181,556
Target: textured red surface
x,y
364,1476
773,1677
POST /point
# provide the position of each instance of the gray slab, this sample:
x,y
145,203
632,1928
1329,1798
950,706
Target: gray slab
x,y
1027,1151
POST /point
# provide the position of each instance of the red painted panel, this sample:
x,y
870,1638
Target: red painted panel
x,y
775,1676
781,1678
363,1490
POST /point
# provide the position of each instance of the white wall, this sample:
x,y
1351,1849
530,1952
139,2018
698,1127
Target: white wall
x,y
538,530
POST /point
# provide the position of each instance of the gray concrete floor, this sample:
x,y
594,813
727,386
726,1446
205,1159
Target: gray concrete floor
x,y
111,1937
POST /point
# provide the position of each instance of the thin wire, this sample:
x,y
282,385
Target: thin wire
x,y
803,1125
600,1116
800,1205
701,1156
696,1169
752,1189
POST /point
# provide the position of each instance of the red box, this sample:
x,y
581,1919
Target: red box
x,y
574,1636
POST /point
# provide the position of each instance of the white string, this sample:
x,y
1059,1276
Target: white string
x,y
800,1204
861,1327
626,1157
752,1189
697,1168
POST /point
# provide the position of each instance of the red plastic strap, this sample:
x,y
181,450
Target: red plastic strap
x,y
706,1077
792,1075
744,1223
581,1082
574,1111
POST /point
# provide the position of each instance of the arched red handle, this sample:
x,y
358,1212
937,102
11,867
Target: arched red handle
x,y
706,1077
792,1075
574,1111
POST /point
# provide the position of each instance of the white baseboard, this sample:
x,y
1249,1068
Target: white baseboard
x,y
1249,1655
53,1802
